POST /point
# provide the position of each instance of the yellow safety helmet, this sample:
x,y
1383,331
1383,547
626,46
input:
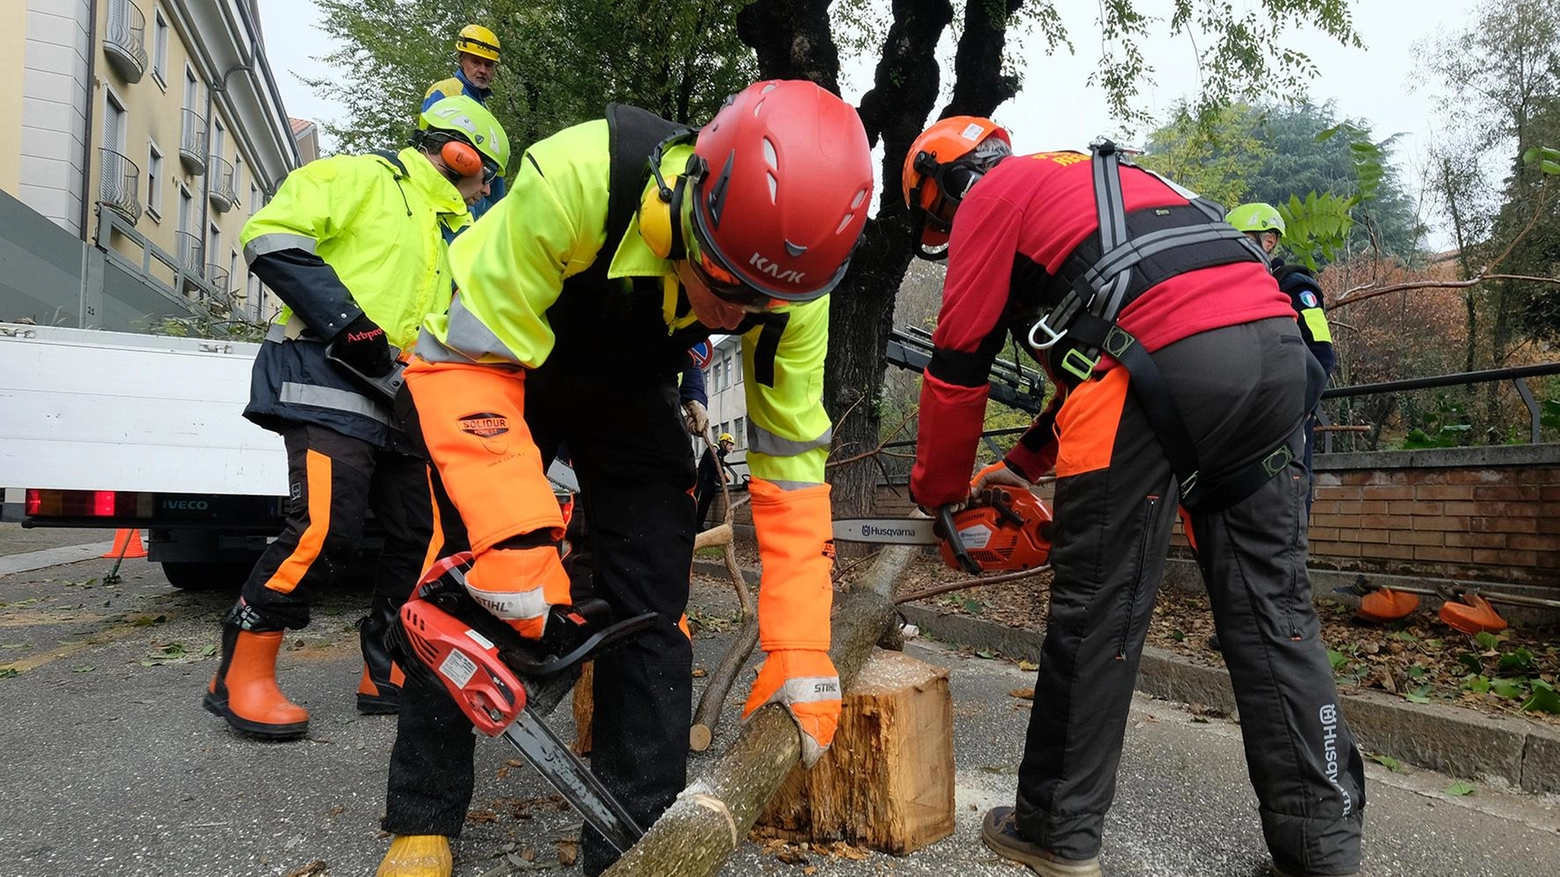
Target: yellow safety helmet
x,y
725,437
477,40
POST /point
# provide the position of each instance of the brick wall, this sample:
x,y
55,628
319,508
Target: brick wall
x,y
1490,514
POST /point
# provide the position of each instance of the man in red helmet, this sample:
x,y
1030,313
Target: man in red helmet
x,y
1180,375
624,241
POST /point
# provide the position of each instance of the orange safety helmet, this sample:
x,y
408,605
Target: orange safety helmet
x,y
780,181
941,166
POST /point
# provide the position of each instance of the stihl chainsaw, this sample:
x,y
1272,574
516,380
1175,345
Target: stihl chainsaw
x,y
501,680
1009,530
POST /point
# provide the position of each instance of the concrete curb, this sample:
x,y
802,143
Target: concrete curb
x,y
1462,743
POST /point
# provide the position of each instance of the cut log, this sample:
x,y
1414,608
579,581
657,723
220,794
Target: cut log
x,y
584,707
711,818
720,534
887,782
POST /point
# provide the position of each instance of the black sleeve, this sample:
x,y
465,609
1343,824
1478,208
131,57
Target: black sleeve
x,y
308,285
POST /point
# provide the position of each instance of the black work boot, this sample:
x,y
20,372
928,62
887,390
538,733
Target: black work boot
x,y
379,691
1000,832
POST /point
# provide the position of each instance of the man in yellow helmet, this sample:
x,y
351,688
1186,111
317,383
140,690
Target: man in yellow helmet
x,y
354,246
476,63
712,472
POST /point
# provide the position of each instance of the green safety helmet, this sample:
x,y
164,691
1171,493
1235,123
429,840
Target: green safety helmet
x,y
463,116
1256,217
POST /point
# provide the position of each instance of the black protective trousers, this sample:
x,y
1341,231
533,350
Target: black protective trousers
x,y
334,480
1240,389
630,452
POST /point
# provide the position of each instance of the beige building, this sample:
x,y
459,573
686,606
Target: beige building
x,y
149,130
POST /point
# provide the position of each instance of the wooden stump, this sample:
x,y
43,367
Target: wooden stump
x,y
584,708
887,782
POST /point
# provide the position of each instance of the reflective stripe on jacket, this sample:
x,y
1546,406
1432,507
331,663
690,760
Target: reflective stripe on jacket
x,y
345,236
512,268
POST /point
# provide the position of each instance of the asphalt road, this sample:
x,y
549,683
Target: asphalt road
x,y
111,767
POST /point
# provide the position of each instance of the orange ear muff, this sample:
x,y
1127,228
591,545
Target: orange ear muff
x,y
461,157
660,220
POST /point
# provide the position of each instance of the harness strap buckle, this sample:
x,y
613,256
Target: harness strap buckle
x,y
1078,365
1278,461
1051,336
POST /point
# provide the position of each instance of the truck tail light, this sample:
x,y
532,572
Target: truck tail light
x,y
87,504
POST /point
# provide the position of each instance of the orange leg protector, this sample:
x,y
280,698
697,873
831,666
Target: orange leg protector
x,y
473,423
796,546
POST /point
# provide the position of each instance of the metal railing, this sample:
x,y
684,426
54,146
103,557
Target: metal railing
x,y
192,143
1516,375
191,252
223,194
119,184
217,279
124,44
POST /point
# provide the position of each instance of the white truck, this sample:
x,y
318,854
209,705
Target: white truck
x,y
112,429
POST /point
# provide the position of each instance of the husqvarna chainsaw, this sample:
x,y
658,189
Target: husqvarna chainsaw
x,y
1008,530
502,681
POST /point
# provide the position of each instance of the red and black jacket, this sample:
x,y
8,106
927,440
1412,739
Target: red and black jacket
x,y
1011,257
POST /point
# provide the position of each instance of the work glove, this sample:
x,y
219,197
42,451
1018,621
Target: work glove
x,y
363,345
806,683
520,586
696,417
998,473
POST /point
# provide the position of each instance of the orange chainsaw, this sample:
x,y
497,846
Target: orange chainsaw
x,y
1009,529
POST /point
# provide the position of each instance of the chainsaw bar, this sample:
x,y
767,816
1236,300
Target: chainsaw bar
x,y
887,531
573,780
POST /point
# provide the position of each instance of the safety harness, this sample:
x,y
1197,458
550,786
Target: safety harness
x,y
1130,254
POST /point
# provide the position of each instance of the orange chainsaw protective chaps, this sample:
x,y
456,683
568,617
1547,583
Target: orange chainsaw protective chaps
x,y
796,547
1087,424
472,419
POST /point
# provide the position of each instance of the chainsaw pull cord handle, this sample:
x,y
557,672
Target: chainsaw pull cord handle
x,y
956,542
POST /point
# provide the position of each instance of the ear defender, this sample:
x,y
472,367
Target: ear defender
x,y
461,157
660,218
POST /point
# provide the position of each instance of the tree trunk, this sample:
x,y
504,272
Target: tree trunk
x,y
711,818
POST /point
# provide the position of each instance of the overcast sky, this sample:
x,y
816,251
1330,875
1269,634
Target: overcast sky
x,y
1056,108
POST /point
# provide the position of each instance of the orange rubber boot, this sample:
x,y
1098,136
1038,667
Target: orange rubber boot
x,y
244,691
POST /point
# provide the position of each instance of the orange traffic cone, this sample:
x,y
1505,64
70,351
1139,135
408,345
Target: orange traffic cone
x,y
127,543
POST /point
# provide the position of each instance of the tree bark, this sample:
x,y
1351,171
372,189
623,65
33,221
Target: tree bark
x,y
793,40
711,818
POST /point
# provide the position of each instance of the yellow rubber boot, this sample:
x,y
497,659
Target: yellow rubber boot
x,y
416,855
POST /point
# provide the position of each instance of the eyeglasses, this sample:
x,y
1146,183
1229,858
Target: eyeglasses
x,y
721,283
490,171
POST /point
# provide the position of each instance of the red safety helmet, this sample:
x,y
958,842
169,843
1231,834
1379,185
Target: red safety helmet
x,y
941,166
781,180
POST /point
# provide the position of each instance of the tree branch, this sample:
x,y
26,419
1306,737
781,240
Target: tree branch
x,y
1361,293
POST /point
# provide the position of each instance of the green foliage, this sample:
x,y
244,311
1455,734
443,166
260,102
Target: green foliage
x,y
1459,789
1448,426
563,60
1334,185
1545,159
207,326
1512,676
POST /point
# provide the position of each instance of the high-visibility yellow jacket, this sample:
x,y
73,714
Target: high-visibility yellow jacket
x,y
344,236
533,287
512,267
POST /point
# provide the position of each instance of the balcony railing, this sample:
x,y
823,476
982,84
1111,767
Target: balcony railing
x,y
217,280
119,184
192,144
220,175
192,253
125,43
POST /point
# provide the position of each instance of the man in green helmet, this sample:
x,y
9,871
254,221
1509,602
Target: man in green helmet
x,y
1263,224
355,246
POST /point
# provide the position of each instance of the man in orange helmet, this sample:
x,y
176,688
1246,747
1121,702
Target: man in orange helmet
x,y
1180,375
574,315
